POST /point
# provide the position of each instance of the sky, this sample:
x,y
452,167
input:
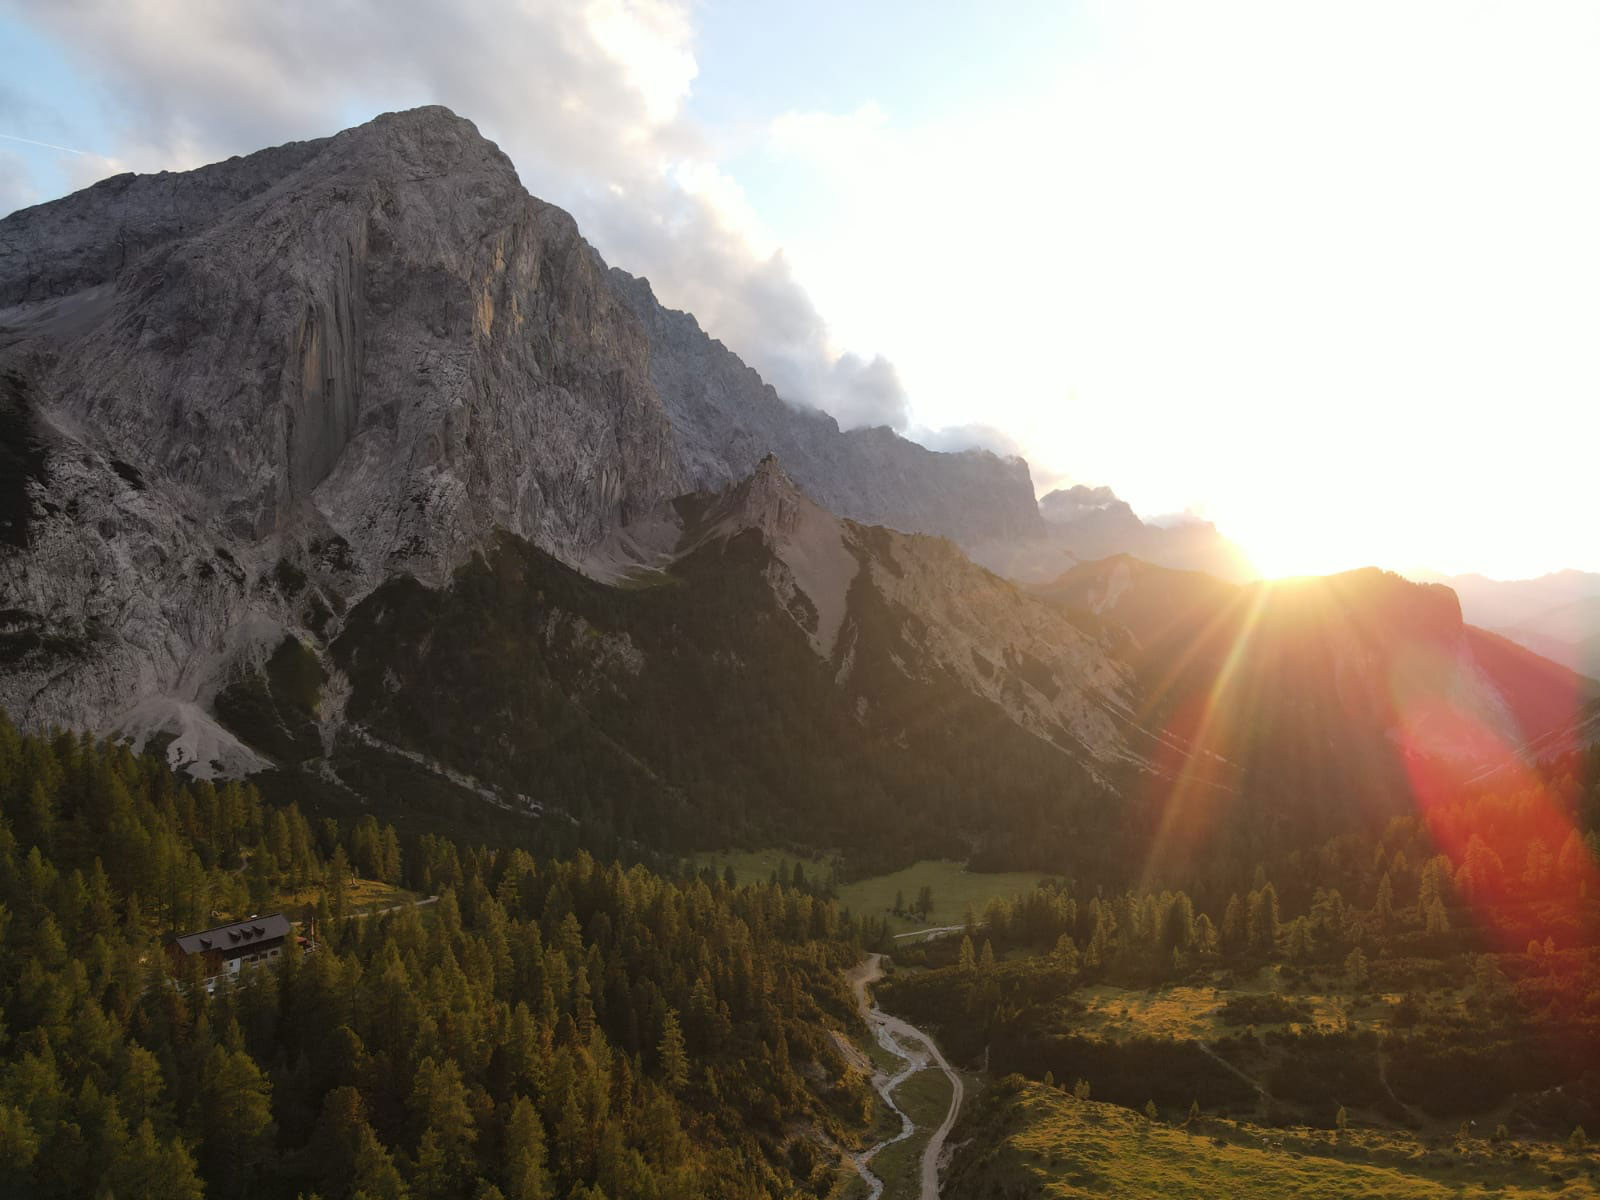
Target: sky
x,y
1327,274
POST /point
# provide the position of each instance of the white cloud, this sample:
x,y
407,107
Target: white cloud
x,y
972,436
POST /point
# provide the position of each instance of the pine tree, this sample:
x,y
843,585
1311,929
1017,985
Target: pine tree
x,y
1383,907
966,961
235,1112
149,1166
1065,953
526,1170
1233,932
1438,921
1263,919
1355,967
674,1058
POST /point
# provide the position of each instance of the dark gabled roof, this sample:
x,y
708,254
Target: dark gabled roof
x,y
238,937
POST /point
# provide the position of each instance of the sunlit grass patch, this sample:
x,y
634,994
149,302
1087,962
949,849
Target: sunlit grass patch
x,y
1189,1011
956,891
361,895
1042,1142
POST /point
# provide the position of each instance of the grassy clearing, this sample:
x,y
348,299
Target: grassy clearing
x,y
1040,1142
757,866
362,895
1187,1012
955,891
1184,1013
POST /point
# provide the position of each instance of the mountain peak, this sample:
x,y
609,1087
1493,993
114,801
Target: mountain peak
x,y
805,537
768,500
421,143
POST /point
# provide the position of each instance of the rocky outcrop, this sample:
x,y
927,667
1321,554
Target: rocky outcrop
x,y
246,395
304,371
1082,524
726,418
919,608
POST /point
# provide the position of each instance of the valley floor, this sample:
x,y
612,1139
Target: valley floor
x,y
918,1086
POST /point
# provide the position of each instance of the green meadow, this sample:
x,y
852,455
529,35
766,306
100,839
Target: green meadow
x,y
1041,1142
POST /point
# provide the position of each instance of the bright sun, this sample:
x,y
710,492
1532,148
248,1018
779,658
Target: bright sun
x,y
1281,543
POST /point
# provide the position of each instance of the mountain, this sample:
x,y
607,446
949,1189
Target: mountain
x,y
727,418
1556,615
1568,634
761,669
351,466
1503,604
240,398
1305,696
1081,524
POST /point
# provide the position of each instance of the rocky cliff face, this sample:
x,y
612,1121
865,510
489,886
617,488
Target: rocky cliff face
x,y
1082,524
920,606
244,396
727,418
761,669
299,373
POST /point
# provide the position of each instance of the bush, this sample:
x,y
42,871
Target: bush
x,y
1263,1010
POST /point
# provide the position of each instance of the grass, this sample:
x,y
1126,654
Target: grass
x,y
757,866
1043,1143
362,895
925,1098
1183,1013
955,891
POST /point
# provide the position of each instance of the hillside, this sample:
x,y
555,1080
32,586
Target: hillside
x,y
1310,698
1568,634
764,670
1034,1141
539,1029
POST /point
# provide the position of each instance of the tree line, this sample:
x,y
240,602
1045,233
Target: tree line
x,y
548,1028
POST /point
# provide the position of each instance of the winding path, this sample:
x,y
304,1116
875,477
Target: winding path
x,y
904,1041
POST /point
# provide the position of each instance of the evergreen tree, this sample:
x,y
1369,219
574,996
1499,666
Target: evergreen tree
x,y
527,1175
966,961
674,1057
1383,907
